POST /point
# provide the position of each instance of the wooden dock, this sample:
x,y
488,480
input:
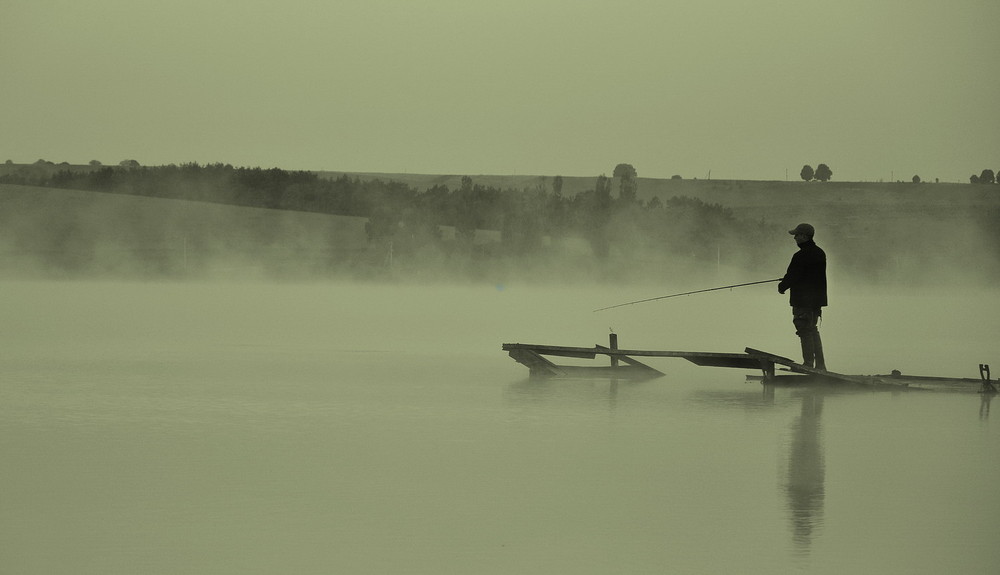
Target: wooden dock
x,y
622,364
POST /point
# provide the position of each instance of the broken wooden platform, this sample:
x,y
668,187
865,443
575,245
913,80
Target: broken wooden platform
x,y
623,362
624,365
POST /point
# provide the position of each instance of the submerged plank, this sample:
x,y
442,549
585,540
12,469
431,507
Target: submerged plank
x,y
631,372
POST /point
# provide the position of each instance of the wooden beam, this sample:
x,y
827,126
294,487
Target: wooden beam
x,y
536,364
634,363
799,368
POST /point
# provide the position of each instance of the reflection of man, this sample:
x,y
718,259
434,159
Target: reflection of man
x,y
806,473
806,278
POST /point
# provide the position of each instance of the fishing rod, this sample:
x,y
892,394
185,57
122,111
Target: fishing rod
x,y
687,293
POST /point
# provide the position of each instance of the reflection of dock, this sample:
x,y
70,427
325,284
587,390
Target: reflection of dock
x,y
623,364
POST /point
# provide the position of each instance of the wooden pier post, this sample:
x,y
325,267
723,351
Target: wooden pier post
x,y
613,344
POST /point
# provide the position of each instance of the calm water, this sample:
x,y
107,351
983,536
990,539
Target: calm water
x,y
260,428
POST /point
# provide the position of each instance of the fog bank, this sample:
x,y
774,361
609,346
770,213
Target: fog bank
x,y
907,236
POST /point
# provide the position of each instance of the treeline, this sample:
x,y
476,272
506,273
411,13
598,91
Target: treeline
x,y
531,222
985,177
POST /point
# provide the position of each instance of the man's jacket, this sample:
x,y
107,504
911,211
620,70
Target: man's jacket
x,y
806,277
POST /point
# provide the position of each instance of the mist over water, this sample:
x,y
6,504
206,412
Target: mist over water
x,y
189,387
235,427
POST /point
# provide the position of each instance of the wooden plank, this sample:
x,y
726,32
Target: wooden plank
x,y
557,350
930,379
632,362
930,382
609,372
536,364
799,368
737,360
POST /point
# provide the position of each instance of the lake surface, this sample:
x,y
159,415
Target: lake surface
x,y
344,428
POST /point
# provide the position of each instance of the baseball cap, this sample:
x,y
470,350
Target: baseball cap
x,y
804,229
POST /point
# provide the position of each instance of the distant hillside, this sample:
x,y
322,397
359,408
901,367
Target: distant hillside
x,y
825,203
751,197
901,232
72,233
918,231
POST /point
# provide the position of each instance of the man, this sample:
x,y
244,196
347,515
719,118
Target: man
x,y
806,278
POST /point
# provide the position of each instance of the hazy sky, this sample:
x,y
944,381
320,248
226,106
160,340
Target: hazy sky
x,y
745,89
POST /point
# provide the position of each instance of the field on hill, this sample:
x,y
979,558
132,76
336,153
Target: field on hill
x,y
72,233
899,233
907,232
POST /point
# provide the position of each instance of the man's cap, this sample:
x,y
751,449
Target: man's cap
x,y
804,229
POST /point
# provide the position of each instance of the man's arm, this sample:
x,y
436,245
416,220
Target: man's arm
x,y
791,275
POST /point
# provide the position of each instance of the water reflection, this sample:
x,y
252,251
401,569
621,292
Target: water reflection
x,y
568,393
683,417
804,485
984,405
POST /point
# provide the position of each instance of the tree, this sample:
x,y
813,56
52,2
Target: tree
x,y
129,164
624,171
627,184
973,179
987,177
916,179
823,173
807,172
95,163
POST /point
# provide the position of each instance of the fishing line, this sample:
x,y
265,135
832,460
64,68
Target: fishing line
x,y
687,293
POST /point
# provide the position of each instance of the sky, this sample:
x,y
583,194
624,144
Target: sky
x,y
879,90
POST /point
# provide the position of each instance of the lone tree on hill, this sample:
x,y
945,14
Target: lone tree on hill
x,y
823,173
807,172
916,179
627,185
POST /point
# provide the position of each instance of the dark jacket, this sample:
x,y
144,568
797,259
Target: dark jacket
x,y
806,277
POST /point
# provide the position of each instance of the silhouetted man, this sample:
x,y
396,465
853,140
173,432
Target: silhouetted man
x,y
806,278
